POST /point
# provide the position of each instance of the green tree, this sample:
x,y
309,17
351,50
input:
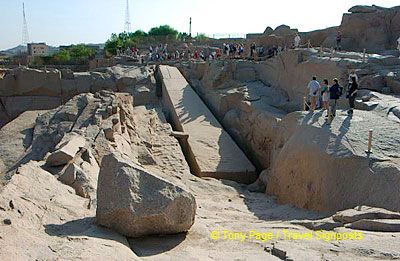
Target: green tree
x,y
164,31
113,44
138,34
61,57
154,36
81,52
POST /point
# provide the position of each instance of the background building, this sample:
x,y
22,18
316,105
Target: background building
x,y
38,49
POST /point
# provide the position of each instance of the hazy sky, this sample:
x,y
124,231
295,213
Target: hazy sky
x,y
92,21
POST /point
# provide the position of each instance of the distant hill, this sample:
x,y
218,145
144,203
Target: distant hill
x,y
22,49
14,51
52,49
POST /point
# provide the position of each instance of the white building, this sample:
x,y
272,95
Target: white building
x,y
38,49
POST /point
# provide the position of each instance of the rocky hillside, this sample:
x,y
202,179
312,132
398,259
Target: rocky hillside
x,y
371,27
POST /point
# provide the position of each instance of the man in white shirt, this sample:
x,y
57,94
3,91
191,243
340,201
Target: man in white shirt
x,y
297,40
398,44
313,90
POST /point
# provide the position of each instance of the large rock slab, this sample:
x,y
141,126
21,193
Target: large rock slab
x,y
137,203
210,149
30,82
15,105
363,9
381,225
364,212
15,139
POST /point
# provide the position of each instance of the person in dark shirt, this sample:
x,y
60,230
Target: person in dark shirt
x,y
352,94
335,91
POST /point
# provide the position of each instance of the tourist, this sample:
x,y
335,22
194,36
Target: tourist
x,y
398,44
227,50
339,41
314,88
202,56
213,55
241,50
325,97
218,53
335,91
352,94
351,76
252,50
297,40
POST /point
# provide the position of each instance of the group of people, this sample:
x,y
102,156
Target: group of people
x,y
162,52
129,51
325,96
233,50
259,51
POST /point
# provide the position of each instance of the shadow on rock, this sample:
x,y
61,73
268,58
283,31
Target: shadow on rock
x,y
85,227
154,245
267,208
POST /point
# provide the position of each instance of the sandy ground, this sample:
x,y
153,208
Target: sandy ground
x,y
224,205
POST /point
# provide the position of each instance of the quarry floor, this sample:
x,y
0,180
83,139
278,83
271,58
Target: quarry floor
x,y
227,207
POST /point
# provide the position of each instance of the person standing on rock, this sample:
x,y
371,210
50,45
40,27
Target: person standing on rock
x,y
335,91
297,41
313,88
325,97
252,50
398,44
339,41
352,94
351,76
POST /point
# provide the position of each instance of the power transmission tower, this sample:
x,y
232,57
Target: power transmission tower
x,y
25,35
127,18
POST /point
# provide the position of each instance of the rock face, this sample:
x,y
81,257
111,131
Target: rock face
x,y
308,162
282,36
15,139
370,27
25,89
30,82
136,203
325,167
